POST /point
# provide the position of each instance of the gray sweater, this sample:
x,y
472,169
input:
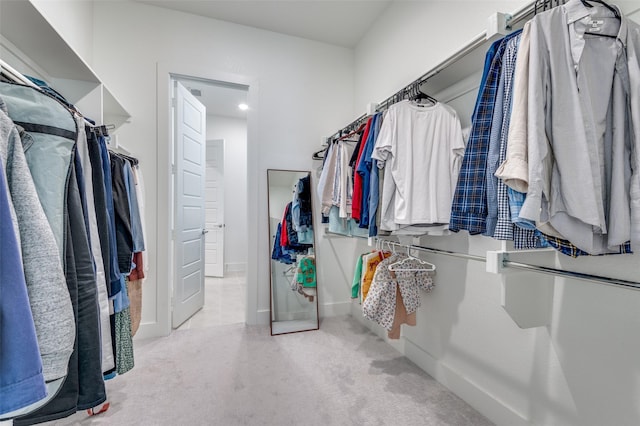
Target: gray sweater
x,y
46,285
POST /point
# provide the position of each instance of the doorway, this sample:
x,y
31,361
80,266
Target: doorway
x,y
221,297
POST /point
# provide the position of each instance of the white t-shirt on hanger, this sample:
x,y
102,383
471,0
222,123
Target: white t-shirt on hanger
x,y
422,149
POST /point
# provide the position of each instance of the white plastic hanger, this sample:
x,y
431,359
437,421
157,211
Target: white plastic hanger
x,y
402,264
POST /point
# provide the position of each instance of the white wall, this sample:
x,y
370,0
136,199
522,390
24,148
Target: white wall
x,y
580,369
73,20
234,133
287,127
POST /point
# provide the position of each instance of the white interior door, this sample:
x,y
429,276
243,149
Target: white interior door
x,y
190,149
214,195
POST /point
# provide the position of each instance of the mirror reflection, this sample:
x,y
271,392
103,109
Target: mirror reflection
x,y
294,300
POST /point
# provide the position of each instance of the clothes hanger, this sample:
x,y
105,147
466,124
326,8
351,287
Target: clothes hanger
x,y
317,155
419,95
608,6
616,15
134,161
402,264
346,137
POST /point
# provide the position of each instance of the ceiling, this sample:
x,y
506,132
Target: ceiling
x,y
341,23
219,98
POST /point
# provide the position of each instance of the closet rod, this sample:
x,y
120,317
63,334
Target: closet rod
x,y
570,274
522,14
433,250
526,267
329,234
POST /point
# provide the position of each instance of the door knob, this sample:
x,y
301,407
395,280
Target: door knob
x,y
205,231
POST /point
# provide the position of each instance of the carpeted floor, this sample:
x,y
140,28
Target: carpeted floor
x,y
233,375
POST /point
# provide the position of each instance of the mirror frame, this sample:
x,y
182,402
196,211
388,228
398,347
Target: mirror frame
x,y
315,253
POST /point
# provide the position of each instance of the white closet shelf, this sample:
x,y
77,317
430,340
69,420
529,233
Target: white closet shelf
x,y
28,36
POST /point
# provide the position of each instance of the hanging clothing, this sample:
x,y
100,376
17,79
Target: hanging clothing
x,y
514,170
380,304
84,165
356,207
370,264
83,387
100,205
306,276
21,377
357,276
327,179
345,181
48,154
140,194
124,343
421,149
400,316
364,169
469,206
134,290
114,272
586,189
374,185
278,253
134,210
48,295
124,235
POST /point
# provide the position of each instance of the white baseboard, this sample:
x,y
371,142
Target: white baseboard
x,y
148,330
236,267
335,309
326,310
262,317
472,393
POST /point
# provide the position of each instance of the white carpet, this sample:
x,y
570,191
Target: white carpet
x,y
233,375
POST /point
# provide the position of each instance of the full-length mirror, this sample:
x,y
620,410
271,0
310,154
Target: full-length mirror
x,y
294,287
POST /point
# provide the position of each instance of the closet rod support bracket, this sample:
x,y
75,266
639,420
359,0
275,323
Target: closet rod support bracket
x,y
498,24
496,261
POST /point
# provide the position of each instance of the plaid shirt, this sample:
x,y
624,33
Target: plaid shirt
x,y
469,207
525,234
565,247
505,229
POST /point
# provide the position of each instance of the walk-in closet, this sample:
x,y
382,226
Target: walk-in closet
x,y
374,212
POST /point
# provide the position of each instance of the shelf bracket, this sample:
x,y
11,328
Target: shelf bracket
x,y
527,297
498,24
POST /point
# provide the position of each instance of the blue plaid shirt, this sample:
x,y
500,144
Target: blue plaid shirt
x,y
469,207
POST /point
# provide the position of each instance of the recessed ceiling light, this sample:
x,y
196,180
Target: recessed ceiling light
x,y
243,107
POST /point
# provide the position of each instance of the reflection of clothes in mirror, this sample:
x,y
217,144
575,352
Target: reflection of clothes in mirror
x,y
278,253
301,205
289,238
307,271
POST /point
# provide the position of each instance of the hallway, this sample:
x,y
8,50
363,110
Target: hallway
x,y
224,302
